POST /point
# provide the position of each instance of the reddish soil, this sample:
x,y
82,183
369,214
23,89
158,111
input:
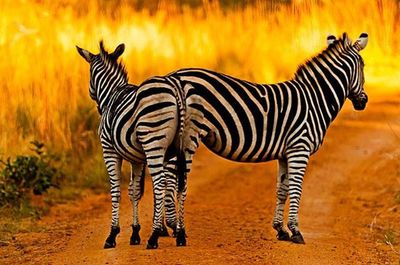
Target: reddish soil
x,y
351,200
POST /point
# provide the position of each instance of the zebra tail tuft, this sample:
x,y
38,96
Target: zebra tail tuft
x,y
181,170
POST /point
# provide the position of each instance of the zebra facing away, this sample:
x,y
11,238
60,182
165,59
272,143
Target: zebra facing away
x,y
139,125
249,122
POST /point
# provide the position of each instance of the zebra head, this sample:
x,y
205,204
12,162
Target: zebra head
x,y
356,94
105,73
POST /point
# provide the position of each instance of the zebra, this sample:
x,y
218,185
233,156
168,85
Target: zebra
x,y
249,122
138,124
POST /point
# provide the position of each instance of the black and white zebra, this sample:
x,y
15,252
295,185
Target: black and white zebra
x,y
139,125
249,122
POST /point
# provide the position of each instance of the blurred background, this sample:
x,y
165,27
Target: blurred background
x,y
44,82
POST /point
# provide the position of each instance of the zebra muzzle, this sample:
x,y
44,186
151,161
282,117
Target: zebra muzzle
x,y
360,101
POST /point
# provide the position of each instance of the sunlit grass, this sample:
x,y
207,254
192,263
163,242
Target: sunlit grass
x,y
44,82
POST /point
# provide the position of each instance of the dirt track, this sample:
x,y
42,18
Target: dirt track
x,y
347,205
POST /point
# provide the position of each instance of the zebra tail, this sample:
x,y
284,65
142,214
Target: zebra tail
x,y
181,170
181,160
142,182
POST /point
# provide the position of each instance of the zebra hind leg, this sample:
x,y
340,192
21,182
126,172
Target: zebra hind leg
x,y
170,195
159,185
281,196
180,232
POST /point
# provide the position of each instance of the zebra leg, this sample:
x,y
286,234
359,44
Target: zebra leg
x,y
113,164
170,212
136,186
282,187
181,232
170,195
135,193
156,166
297,163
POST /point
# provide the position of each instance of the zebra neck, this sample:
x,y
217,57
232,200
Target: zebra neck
x,y
329,107
106,96
327,94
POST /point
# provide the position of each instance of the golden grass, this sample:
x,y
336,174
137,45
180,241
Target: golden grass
x,y
44,82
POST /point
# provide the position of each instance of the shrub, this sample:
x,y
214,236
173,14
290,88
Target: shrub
x,y
28,174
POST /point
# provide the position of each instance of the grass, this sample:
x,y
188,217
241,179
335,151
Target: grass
x,y
22,220
390,236
57,196
397,197
9,227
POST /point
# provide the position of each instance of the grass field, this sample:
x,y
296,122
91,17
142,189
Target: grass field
x,y
44,82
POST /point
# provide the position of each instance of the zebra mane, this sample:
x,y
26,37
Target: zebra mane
x,y
112,63
340,45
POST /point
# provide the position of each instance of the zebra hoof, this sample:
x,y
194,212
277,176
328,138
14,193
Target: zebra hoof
x,y
181,238
134,241
152,243
110,244
110,241
298,238
135,238
283,235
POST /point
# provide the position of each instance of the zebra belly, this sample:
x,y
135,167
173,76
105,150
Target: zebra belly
x,y
210,141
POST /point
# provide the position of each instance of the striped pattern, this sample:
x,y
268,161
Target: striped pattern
x,y
139,125
249,122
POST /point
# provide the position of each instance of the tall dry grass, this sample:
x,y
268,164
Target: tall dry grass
x,y
44,82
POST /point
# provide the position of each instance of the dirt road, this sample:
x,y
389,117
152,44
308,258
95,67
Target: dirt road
x,y
348,207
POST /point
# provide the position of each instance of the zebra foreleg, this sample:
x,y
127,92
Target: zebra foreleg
x,y
281,196
136,187
113,164
297,163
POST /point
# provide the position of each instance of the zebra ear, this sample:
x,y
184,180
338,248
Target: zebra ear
x,y
102,49
346,40
361,42
118,51
85,54
330,39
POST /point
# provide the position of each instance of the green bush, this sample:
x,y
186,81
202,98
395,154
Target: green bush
x,y
28,174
